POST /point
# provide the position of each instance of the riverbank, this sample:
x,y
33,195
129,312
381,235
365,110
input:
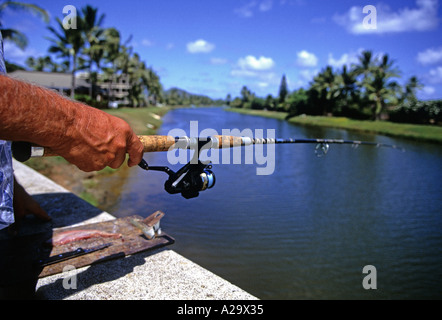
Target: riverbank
x,y
99,188
428,133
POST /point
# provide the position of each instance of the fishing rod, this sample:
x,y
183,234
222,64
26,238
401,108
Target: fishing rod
x,y
196,175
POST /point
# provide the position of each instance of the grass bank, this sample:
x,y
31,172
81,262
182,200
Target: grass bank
x,y
410,131
143,121
89,185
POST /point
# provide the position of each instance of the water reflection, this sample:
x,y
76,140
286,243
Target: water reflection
x,y
307,230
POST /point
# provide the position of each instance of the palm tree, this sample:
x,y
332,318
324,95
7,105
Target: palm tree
x,y
380,89
385,64
246,94
412,85
116,56
94,41
326,85
68,44
138,77
365,65
381,92
154,86
43,64
377,87
348,91
16,36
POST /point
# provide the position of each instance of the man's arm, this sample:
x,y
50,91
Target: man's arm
x,y
87,137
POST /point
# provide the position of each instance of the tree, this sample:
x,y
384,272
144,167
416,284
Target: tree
x,y
112,50
94,40
154,87
144,82
45,64
17,37
411,87
246,94
228,99
298,102
67,44
326,85
283,90
270,102
381,90
348,100
236,103
365,65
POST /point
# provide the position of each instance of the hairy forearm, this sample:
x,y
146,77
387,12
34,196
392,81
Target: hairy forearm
x,y
85,136
34,114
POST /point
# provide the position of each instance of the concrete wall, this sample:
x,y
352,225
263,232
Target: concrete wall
x,y
155,275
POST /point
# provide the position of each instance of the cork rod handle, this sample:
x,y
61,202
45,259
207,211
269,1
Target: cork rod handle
x,y
22,151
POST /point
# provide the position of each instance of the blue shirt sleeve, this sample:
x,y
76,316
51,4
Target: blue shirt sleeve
x,y
2,58
6,171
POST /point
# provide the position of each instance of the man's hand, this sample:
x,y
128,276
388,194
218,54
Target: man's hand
x,y
24,205
96,140
87,137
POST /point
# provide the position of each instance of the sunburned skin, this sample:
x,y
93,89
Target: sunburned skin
x,y
85,136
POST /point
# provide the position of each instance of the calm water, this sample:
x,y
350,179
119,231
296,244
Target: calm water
x,y
307,230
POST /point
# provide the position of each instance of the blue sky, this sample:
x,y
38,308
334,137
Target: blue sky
x,y
216,47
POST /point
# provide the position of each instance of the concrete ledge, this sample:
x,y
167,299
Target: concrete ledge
x,y
155,275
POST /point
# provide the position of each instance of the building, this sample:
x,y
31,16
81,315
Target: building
x,y
60,82
116,90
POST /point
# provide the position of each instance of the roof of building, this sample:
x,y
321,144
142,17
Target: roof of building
x,y
48,79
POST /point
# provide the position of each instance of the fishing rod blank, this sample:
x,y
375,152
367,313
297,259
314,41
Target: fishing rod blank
x,y
195,176
22,151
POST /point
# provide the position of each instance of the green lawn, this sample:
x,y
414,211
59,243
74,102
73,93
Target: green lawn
x,y
144,121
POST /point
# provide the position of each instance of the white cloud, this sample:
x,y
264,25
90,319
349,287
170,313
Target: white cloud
x,y
263,84
147,43
259,69
430,56
248,10
265,5
422,18
306,59
435,75
16,55
218,61
307,74
253,63
428,90
200,46
345,59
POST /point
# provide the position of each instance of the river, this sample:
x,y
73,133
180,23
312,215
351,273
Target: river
x,y
307,229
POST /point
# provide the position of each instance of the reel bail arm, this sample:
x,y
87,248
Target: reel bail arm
x,y
192,178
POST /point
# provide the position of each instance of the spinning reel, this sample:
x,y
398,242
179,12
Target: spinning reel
x,y
194,177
